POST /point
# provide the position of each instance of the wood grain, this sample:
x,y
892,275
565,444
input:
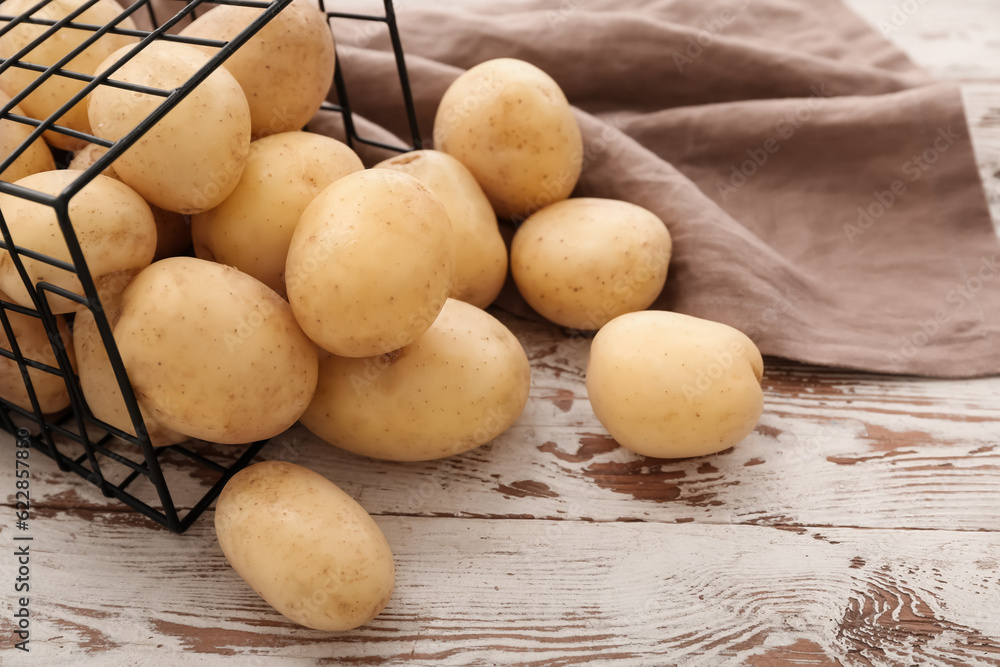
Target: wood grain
x,y
858,525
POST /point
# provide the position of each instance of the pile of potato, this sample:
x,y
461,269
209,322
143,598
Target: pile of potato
x,y
349,299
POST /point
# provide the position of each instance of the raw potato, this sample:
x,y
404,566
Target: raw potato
x,y
34,159
113,224
458,386
33,341
213,353
480,253
286,69
173,231
582,262
670,386
100,386
57,90
371,263
193,157
253,228
511,125
305,546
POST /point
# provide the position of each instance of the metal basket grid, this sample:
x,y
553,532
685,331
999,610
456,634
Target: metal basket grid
x,y
74,438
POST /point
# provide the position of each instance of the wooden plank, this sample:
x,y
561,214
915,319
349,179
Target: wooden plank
x,y
953,40
534,593
833,448
982,108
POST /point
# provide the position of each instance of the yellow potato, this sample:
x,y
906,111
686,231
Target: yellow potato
x,y
34,343
100,385
34,159
213,353
371,263
305,546
173,231
253,228
582,262
480,253
670,386
193,157
458,386
286,69
113,224
511,125
57,90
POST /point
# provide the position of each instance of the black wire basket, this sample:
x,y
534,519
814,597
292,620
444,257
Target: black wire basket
x,y
107,456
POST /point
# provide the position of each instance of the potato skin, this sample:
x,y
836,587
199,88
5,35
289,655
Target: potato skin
x,y
193,157
253,227
100,385
370,264
34,159
285,70
582,262
305,546
670,385
33,341
511,125
458,386
214,353
480,253
113,224
173,231
47,98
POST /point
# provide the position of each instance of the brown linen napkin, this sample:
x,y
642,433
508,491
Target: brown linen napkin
x,y
821,189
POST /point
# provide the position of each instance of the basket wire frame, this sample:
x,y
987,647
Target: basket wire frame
x,y
76,426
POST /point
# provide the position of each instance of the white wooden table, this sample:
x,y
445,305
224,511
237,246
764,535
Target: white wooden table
x,y
858,525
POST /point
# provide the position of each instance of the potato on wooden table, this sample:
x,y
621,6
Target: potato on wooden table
x,y
305,546
670,385
458,386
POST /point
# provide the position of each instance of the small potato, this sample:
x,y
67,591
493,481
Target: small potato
x,y
480,253
34,159
458,386
371,263
173,231
113,224
34,343
193,157
57,90
100,385
253,228
511,125
670,386
213,353
305,546
582,262
286,69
